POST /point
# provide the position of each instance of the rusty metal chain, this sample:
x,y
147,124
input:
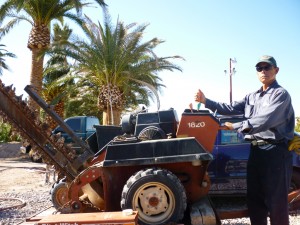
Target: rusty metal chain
x,y
90,205
62,207
13,110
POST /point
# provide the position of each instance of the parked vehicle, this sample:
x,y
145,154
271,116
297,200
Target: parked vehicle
x,y
228,169
82,126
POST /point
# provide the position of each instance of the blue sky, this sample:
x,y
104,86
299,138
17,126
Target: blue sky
x,y
207,34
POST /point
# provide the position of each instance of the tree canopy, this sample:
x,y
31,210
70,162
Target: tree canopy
x,y
115,62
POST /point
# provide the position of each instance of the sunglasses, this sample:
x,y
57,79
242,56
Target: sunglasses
x,y
261,68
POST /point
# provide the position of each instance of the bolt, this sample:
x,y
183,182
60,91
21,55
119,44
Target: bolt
x,y
75,205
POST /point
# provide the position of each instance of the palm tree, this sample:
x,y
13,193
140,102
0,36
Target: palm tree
x,y
58,84
114,62
3,54
55,79
40,14
82,100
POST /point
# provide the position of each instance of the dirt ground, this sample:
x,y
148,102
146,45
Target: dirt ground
x,y
17,172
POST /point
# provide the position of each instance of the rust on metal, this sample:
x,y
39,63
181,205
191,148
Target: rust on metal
x,y
27,123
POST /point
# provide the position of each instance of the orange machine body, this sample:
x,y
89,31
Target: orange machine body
x,y
201,125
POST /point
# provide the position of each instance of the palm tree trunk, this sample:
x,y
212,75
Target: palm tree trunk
x,y
117,117
36,76
107,119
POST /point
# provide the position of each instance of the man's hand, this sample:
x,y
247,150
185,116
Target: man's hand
x,y
200,97
228,125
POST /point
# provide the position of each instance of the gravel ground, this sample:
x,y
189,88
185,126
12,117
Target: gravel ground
x,y
22,179
294,220
240,203
38,201
35,202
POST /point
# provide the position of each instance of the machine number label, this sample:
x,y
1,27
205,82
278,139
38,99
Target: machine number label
x,y
196,124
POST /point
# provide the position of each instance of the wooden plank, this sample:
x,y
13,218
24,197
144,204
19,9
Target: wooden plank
x,y
103,218
40,215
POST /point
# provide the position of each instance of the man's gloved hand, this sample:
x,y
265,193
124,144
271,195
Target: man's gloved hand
x,y
294,144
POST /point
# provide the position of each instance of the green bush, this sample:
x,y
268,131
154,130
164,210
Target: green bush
x,y
7,134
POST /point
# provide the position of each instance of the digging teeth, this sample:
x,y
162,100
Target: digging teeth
x,y
9,90
32,115
60,142
28,124
19,98
54,137
45,126
24,104
47,129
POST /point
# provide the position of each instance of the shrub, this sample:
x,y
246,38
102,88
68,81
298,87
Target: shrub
x,y
7,134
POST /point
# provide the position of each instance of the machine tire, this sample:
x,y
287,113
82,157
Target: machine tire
x,y
157,195
152,133
59,196
34,156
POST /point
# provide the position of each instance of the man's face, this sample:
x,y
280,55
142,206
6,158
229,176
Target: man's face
x,y
266,73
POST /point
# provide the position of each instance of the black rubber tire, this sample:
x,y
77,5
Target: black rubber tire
x,y
157,195
34,157
59,196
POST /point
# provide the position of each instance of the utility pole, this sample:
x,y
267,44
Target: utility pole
x,y
232,71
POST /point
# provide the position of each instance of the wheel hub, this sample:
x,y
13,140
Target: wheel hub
x,y
153,201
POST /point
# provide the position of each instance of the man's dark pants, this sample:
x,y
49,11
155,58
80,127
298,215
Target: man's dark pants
x,y
268,181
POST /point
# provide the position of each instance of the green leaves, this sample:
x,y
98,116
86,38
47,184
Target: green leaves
x,y
4,54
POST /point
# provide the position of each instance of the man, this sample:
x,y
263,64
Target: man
x,y
269,125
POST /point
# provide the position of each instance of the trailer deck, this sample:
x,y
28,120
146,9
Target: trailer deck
x,y
47,217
